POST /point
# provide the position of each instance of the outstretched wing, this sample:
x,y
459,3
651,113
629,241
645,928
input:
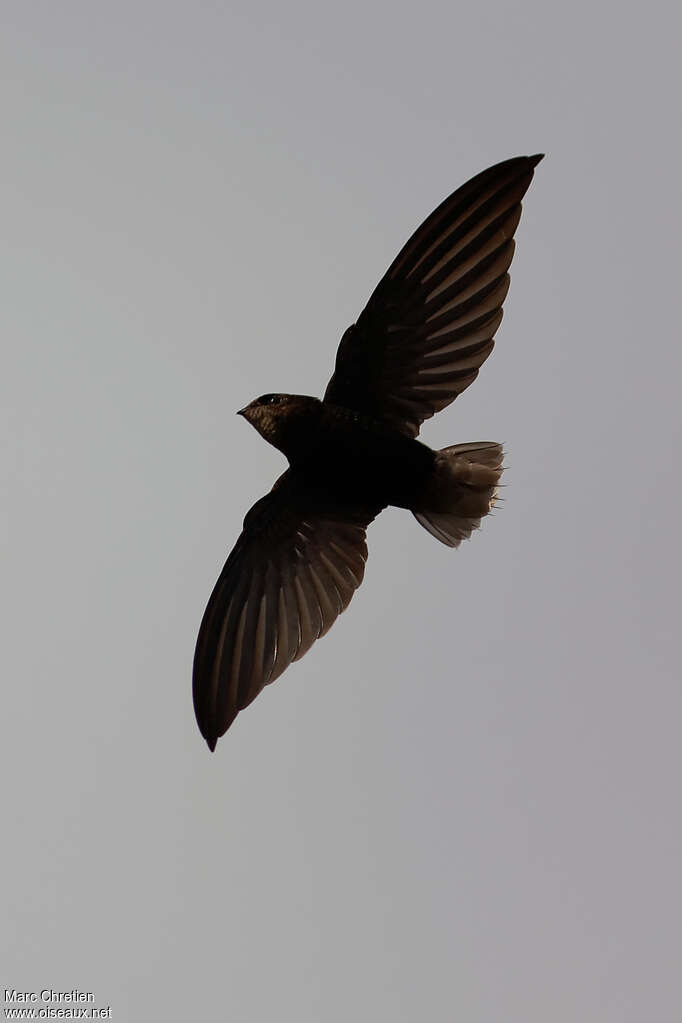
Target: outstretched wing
x,y
293,570
430,323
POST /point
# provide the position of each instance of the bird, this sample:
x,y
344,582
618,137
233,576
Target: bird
x,y
421,339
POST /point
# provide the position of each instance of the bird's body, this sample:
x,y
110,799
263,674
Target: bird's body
x,y
344,452
420,341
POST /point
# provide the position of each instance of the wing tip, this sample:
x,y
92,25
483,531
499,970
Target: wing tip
x,y
215,728
209,733
535,160
205,717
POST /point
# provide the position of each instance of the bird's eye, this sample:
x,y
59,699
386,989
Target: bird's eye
x,y
269,399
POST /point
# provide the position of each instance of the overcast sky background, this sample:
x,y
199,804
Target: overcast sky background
x,y
455,807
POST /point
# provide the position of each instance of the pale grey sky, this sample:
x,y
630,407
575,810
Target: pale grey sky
x,y
199,198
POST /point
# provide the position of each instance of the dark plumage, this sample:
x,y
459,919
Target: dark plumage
x,y
419,342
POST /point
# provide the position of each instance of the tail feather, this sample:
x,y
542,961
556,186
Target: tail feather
x,y
461,492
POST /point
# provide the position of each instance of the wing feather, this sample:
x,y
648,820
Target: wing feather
x,y
442,295
293,570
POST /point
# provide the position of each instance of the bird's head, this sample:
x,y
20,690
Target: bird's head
x,y
278,416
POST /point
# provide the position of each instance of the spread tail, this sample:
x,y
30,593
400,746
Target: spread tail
x,y
462,490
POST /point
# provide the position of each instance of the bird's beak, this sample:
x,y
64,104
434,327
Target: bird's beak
x,y
242,411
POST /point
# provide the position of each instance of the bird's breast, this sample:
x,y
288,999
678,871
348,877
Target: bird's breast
x,y
365,462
